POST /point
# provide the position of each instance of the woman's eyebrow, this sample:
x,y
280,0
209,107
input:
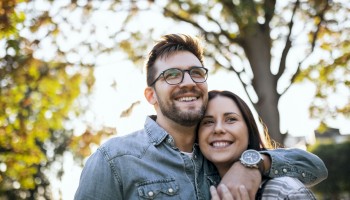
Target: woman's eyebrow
x,y
230,113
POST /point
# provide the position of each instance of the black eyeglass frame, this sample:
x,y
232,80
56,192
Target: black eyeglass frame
x,y
183,75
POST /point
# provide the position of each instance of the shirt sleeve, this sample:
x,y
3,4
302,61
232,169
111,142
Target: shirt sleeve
x,y
97,180
286,188
296,163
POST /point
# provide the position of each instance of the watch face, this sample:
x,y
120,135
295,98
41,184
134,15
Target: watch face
x,y
251,157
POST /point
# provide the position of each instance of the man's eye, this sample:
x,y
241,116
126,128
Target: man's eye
x,y
197,73
171,75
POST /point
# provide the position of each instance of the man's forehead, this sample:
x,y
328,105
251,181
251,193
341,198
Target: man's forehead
x,y
180,59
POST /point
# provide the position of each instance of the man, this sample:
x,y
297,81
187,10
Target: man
x,y
162,161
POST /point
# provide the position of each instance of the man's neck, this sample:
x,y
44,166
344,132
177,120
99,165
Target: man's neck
x,y
184,136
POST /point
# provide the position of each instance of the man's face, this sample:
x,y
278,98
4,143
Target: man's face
x,y
185,102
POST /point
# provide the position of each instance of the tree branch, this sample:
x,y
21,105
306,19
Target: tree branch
x,y
195,24
288,45
320,15
269,7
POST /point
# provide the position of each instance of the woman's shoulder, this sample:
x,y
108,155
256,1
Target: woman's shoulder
x,y
285,188
284,181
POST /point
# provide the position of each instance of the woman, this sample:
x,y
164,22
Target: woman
x,y
228,129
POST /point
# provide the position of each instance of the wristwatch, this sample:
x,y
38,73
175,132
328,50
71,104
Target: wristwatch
x,y
252,159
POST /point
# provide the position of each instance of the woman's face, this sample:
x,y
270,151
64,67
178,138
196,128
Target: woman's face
x,y
223,133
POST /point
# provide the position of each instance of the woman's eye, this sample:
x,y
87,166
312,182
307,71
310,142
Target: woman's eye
x,y
231,119
207,122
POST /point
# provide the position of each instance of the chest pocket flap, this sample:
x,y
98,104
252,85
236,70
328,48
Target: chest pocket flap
x,y
159,189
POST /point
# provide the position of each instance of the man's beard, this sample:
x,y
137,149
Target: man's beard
x,y
185,118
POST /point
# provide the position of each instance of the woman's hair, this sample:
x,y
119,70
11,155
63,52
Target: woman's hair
x,y
255,141
168,45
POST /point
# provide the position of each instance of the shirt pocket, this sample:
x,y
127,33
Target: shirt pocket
x,y
158,189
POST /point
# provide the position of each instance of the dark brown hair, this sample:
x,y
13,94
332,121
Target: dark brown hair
x,y
170,44
255,141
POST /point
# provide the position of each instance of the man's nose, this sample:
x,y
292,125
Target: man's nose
x,y
187,80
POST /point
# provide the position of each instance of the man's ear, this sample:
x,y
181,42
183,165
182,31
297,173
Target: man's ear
x,y
150,95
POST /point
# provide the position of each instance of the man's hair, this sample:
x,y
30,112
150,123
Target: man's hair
x,y
168,45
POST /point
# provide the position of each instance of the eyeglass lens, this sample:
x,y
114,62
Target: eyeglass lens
x,y
175,76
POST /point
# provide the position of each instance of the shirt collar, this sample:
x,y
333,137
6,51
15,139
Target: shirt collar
x,y
156,133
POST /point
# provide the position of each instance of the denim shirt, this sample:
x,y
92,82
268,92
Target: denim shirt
x,y
147,165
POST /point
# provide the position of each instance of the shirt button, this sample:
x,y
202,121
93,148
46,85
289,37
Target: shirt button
x,y
150,193
285,170
303,174
170,190
276,171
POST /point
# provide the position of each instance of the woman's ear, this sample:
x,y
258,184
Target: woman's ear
x,y
150,95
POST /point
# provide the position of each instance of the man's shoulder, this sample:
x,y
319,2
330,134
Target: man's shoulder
x,y
130,144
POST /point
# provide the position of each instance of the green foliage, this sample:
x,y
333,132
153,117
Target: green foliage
x,y
330,79
336,159
38,96
9,17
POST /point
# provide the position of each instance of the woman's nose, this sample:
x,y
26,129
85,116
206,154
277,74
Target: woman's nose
x,y
219,128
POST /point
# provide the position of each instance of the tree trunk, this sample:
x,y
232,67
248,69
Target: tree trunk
x,y
257,47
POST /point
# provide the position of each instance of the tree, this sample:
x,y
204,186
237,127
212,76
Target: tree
x,y
258,40
40,98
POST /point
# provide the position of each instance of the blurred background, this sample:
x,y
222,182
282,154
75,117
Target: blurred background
x,y
71,76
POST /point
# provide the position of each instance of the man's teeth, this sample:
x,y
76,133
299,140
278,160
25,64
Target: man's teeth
x,y
220,144
187,98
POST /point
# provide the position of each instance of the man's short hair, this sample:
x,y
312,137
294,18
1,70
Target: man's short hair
x,y
168,45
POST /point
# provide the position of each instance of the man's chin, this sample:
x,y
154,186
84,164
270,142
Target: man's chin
x,y
187,119
188,116
188,123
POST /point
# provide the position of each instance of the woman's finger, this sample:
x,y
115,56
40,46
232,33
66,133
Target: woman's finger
x,y
225,192
214,193
243,193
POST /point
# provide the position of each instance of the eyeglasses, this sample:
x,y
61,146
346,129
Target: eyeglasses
x,y
174,76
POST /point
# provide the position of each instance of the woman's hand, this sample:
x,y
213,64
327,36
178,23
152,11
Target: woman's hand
x,y
226,194
238,176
